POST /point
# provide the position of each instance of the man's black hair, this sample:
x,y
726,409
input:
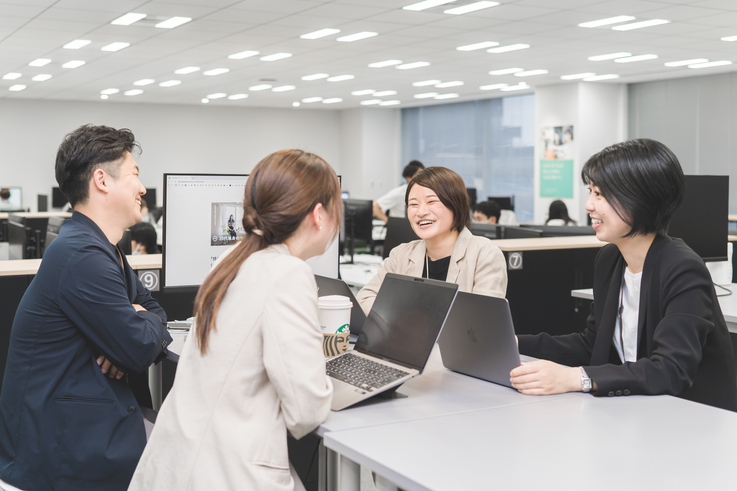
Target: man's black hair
x,y
411,169
85,150
490,208
145,234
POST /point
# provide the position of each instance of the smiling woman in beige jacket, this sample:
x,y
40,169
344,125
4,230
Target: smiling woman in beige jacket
x,y
439,212
252,369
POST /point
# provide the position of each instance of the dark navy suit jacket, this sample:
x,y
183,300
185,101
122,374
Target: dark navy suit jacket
x,y
63,423
684,347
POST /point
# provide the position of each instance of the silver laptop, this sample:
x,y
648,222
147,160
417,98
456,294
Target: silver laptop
x,y
331,286
396,340
478,338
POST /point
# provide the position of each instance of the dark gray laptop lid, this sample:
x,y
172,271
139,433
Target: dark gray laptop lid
x,y
330,286
478,338
406,319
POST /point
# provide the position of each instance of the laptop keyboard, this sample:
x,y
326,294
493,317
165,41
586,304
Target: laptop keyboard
x,y
362,373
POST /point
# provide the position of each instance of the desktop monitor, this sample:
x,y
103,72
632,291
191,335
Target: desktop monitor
x,y
150,198
488,230
505,202
17,237
52,230
11,199
125,243
43,203
358,221
58,200
197,209
510,232
562,230
702,219
398,231
471,196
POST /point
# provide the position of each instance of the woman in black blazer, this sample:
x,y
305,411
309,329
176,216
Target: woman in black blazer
x,y
655,325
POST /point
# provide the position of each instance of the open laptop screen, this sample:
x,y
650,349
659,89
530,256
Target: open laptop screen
x,y
406,319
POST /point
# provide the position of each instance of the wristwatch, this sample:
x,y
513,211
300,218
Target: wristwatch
x,y
585,381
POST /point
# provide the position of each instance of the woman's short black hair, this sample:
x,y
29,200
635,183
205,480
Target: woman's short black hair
x,y
86,149
642,180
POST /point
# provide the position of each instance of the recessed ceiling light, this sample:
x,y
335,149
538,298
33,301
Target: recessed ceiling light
x,y
316,76
426,95
170,83
596,78
363,92
237,97
607,22
205,100
103,97
340,78
133,92
578,76
505,49
308,100
115,46
357,36
446,96
512,88
426,4
187,69
109,91
275,57
216,71
217,95
425,83
40,62
473,47
471,7
384,93
144,81
295,104
506,71
711,64
371,102
332,100
12,76
493,86
73,64
729,38
530,73
609,56
173,22
42,77
445,85
640,25
410,66
242,55
631,59
16,88
256,88
382,64
686,62
390,103
283,88
128,19
77,43
320,33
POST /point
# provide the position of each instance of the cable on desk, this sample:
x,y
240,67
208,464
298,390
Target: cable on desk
x,y
729,292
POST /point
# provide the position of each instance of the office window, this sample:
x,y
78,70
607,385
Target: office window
x,y
490,143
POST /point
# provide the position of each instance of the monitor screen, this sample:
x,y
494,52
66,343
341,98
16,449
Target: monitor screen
x,y
505,202
358,217
203,216
702,219
58,200
521,233
150,197
11,199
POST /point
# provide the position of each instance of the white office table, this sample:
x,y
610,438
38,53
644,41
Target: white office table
x,y
727,303
568,444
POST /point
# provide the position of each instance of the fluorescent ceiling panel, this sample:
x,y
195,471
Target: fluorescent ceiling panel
x,y
607,22
73,64
320,34
609,56
357,37
128,19
117,46
505,49
173,22
275,57
242,55
471,7
426,4
40,62
77,43
640,25
473,47
631,59
215,71
382,64
187,69
315,76
170,83
410,66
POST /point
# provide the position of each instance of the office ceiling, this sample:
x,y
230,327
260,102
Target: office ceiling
x,y
33,29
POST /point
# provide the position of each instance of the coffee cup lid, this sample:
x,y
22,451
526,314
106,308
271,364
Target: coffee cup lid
x,y
334,302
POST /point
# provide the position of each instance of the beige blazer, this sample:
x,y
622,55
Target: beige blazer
x,y
224,424
476,265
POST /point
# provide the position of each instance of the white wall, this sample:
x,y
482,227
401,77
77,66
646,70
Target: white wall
x,y
174,138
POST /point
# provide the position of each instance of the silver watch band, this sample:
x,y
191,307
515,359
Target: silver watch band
x,y
585,381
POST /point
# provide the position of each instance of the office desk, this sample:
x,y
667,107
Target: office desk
x,y
23,267
43,214
573,443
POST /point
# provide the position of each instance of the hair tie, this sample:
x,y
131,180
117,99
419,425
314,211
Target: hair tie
x,y
257,232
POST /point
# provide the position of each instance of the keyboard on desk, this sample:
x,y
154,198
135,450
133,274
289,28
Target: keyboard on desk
x,y
362,372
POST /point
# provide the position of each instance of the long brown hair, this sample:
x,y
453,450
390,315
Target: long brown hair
x,y
281,190
450,189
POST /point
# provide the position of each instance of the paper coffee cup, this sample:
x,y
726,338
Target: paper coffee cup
x,y
335,323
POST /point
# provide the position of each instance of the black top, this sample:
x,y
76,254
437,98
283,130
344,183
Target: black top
x,y
684,348
438,269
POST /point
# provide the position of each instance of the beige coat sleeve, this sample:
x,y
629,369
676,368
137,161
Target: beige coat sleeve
x,y
293,355
490,271
367,295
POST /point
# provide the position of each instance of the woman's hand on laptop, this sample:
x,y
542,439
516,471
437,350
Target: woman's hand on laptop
x,y
544,377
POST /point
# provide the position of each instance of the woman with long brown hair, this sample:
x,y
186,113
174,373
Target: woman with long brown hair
x,y
252,368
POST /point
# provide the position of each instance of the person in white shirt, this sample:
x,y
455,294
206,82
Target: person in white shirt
x,y
393,202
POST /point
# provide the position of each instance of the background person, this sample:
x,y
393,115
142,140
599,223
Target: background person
x,y
143,239
655,325
558,214
252,368
487,211
393,202
439,212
